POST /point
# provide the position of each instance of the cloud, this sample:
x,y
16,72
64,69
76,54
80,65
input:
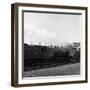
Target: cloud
x,y
34,34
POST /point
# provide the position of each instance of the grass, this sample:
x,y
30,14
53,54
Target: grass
x,y
70,69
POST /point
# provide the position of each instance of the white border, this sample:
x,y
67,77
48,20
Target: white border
x,y
51,78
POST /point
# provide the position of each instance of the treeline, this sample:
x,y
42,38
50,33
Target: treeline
x,y
45,56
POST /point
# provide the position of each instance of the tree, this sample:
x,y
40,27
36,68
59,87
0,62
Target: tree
x,y
76,56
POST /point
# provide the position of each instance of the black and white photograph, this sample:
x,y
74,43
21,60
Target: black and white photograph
x,y
49,44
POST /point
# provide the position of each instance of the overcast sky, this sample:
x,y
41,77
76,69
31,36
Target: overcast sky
x,y
51,29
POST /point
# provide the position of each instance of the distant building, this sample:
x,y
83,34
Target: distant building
x,y
76,45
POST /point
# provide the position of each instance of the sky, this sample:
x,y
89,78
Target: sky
x,y
51,29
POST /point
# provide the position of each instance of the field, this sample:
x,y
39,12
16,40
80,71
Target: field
x,y
70,69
